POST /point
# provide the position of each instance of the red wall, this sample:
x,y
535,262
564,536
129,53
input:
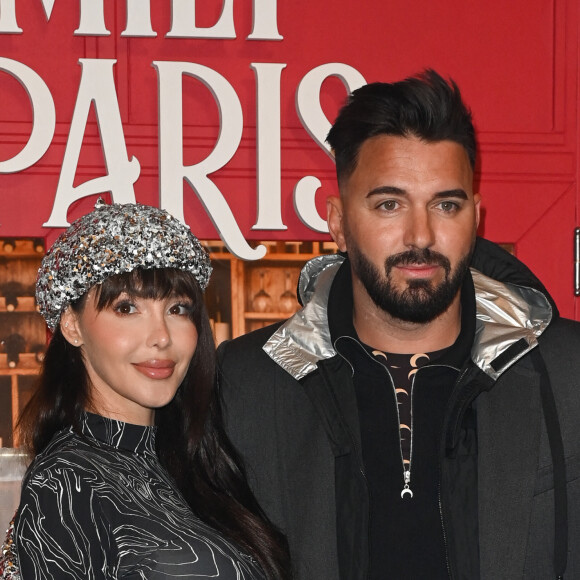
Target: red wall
x,y
516,62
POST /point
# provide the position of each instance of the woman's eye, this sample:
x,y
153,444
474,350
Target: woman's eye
x,y
181,309
125,308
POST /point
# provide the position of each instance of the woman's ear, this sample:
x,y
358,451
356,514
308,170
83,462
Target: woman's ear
x,y
69,326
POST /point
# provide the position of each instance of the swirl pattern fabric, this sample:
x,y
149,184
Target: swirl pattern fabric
x,y
100,506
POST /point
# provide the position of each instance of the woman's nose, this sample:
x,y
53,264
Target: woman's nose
x,y
158,331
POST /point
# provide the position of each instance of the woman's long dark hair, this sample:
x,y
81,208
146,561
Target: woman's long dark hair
x,y
191,440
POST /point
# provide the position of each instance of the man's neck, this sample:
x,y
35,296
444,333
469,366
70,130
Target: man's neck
x,y
380,330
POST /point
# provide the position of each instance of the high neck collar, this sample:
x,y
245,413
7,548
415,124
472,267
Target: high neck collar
x,y
135,438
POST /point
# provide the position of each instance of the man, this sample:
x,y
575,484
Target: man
x,y
418,418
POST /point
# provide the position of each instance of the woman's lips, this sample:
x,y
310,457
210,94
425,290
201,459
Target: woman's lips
x,y
156,369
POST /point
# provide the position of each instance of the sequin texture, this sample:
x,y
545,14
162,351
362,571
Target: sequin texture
x,y
114,239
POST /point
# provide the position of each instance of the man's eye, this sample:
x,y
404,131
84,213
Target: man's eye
x,y
389,204
448,206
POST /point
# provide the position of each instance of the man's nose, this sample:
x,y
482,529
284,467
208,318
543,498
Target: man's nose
x,y
419,229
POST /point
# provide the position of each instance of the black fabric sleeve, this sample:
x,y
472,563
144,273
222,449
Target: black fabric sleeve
x,y
59,528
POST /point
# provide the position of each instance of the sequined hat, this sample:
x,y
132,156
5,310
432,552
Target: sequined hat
x,y
114,239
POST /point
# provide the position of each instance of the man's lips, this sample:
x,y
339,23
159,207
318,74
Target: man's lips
x,y
419,270
156,369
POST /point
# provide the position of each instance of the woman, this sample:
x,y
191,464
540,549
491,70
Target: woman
x,y
133,476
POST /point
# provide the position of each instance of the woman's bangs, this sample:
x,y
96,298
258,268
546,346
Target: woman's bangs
x,y
154,283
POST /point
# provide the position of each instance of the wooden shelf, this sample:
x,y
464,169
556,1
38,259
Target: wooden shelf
x,y
27,364
25,304
21,248
236,282
20,259
20,372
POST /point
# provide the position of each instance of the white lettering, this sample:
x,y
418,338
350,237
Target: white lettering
x,y
139,19
183,21
308,97
269,177
43,116
8,24
315,122
97,86
265,23
171,168
48,5
92,19
305,206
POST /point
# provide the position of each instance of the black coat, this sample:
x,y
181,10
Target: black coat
x,y
300,438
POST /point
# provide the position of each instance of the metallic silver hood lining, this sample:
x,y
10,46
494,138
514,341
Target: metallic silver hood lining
x,y
310,276
304,339
505,314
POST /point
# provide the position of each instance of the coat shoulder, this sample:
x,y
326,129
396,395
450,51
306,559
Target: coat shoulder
x,y
561,338
246,351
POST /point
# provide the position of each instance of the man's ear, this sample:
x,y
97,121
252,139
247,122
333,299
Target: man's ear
x,y
69,326
334,213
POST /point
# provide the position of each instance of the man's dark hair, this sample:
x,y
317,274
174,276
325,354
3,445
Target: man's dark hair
x,y
424,106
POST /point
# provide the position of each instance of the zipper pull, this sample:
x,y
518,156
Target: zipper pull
x,y
406,488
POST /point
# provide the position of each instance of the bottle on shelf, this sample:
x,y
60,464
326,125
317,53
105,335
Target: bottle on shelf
x,y
13,344
11,291
38,245
9,246
39,351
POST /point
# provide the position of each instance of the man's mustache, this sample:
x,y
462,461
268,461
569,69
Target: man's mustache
x,y
418,257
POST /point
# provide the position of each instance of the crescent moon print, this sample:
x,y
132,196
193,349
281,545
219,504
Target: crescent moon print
x,y
380,353
415,358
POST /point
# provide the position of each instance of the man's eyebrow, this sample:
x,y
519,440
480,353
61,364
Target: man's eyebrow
x,y
459,193
386,189
390,189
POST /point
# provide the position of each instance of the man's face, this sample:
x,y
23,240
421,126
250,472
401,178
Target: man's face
x,y
407,217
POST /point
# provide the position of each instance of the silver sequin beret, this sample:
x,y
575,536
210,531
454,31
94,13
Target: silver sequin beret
x,y
114,239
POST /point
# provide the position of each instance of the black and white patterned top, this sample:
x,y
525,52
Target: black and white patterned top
x,y
102,507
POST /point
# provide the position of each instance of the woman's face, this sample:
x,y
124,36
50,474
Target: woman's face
x,y
136,352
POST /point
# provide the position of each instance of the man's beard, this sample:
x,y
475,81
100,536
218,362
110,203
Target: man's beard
x,y
421,301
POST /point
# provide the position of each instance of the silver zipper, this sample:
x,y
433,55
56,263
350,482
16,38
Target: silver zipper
x,y
406,490
407,472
